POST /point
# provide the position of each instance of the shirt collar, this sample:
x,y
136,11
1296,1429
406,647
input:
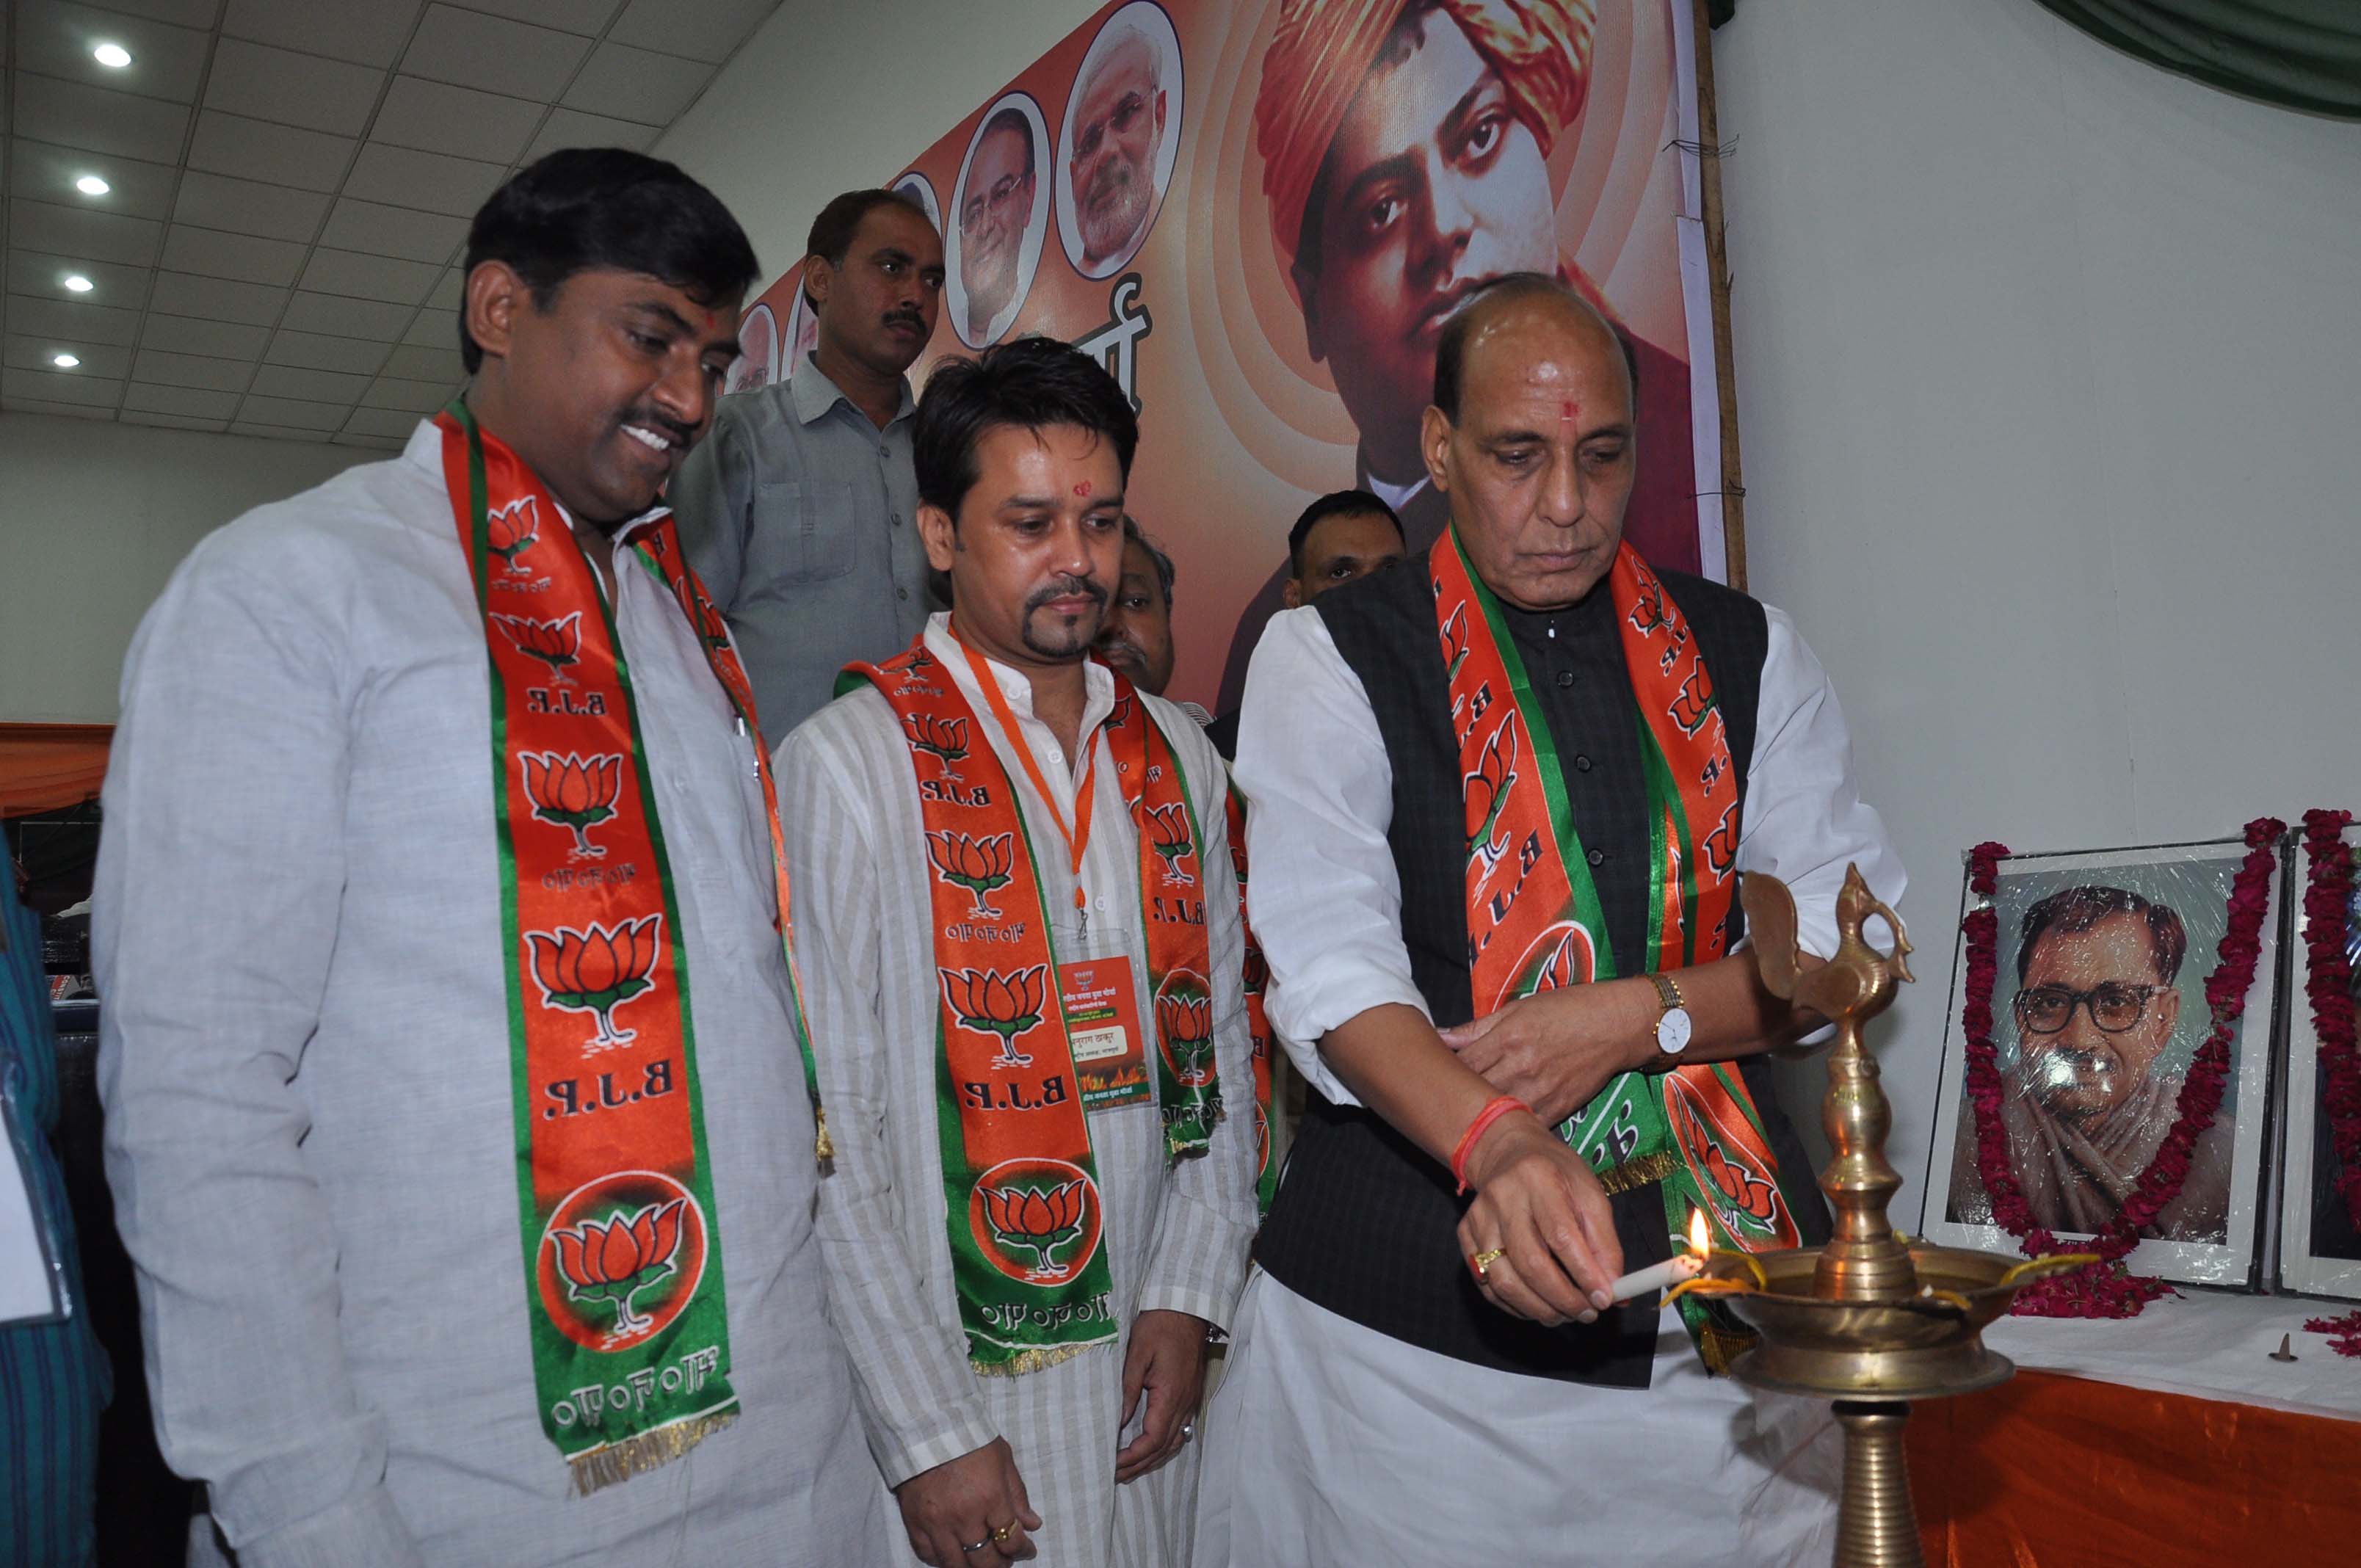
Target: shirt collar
x,y
425,451
814,394
1098,680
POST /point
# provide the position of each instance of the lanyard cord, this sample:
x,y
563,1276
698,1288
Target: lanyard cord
x,y
1076,838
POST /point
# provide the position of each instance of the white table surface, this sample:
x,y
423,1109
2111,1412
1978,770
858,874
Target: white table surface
x,y
2207,1344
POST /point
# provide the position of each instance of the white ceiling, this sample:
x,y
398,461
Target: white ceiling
x,y
290,182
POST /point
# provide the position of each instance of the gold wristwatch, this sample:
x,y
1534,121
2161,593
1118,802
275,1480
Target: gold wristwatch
x,y
1674,1026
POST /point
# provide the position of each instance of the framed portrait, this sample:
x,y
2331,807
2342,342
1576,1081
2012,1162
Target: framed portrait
x,y
2098,1007
2320,1245
1000,208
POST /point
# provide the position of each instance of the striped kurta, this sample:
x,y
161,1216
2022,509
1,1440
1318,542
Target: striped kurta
x,y
53,1377
1176,1234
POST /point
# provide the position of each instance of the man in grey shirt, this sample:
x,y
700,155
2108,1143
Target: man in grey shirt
x,y
800,511
382,807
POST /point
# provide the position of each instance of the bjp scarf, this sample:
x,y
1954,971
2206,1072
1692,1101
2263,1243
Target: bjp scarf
x,y
1021,1186
1258,981
1533,917
621,1241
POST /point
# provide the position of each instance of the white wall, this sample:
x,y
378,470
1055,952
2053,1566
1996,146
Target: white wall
x,y
2049,387
93,517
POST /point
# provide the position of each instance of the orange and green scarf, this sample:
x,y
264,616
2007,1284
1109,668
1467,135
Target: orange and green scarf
x,y
1258,981
1534,915
621,1241
1022,1188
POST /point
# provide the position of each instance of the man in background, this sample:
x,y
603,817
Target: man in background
x,y
995,208
2088,1099
1405,146
434,786
799,511
1118,133
1136,637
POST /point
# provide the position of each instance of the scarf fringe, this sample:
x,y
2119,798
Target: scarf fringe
x,y
619,1462
1720,1346
1639,1173
1038,1359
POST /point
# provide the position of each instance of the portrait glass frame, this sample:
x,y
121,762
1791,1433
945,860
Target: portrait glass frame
x,y
2319,1254
2056,1150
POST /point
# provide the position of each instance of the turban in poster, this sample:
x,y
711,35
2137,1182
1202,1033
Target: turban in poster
x,y
1325,48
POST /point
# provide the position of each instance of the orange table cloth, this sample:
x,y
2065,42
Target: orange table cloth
x,y
2051,1471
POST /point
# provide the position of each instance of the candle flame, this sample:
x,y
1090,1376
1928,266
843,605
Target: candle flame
x,y
1701,1235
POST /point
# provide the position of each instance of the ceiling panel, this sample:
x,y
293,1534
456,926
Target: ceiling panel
x,y
394,231
374,319
250,206
709,30
292,413
189,402
67,113
197,371
46,173
281,85
55,40
289,188
493,53
72,231
38,351
571,15
276,155
221,299
438,118
635,85
368,32
186,334
57,387
72,320
64,410
572,127
246,256
317,351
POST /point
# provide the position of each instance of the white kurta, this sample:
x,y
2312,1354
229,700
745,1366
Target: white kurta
x,y
1331,1444
1176,1234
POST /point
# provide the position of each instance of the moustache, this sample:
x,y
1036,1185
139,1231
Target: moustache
x,y
1112,178
1065,588
906,318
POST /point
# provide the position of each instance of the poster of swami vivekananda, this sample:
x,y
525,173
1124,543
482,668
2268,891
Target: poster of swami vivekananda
x,y
1260,213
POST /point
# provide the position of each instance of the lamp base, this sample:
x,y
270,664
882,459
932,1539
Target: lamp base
x,y
1877,1526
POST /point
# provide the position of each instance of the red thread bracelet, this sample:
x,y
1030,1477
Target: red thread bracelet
x,y
1494,1109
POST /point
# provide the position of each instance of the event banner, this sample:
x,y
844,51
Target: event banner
x,y
1260,213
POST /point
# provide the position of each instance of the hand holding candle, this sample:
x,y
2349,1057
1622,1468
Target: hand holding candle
x,y
1672,1270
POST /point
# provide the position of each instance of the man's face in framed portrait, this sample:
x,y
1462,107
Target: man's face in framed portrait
x,y
996,205
1118,131
2093,1015
1431,186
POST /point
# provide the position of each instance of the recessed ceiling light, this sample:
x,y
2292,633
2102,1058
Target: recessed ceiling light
x,y
77,284
115,57
91,185
64,361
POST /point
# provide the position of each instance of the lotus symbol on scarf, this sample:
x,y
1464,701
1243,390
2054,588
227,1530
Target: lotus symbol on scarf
x,y
1455,644
979,865
512,530
1746,1200
1486,791
1003,1006
616,1261
1184,1019
1566,954
573,792
1169,835
1043,1222
1258,969
595,970
710,624
556,643
945,740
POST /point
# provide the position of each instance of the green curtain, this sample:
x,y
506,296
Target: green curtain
x,y
2301,54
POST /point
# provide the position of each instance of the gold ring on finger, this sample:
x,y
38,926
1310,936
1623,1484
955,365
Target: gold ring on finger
x,y
1483,1261
1000,1534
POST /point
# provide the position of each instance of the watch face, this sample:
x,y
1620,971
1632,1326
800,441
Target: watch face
x,y
1672,1031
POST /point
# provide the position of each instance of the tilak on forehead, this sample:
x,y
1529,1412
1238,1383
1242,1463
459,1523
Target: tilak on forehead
x,y
1083,489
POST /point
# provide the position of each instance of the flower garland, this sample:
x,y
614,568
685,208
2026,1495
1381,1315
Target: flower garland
x,y
2328,891
2105,1289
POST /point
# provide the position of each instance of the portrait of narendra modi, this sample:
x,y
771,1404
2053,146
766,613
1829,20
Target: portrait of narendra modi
x,y
1121,135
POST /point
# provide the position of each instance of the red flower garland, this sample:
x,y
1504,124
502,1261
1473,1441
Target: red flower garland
x,y
2105,1289
2328,982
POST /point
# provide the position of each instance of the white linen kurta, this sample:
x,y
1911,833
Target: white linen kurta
x,y
1331,1444
310,1119
1176,1234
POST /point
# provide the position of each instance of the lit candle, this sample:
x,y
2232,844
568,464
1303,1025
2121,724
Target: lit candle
x,y
1672,1270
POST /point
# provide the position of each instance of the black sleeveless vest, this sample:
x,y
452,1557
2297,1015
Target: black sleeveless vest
x,y
1364,1222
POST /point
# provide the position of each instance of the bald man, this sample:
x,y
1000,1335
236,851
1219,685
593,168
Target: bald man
x,y
1405,147
1501,797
